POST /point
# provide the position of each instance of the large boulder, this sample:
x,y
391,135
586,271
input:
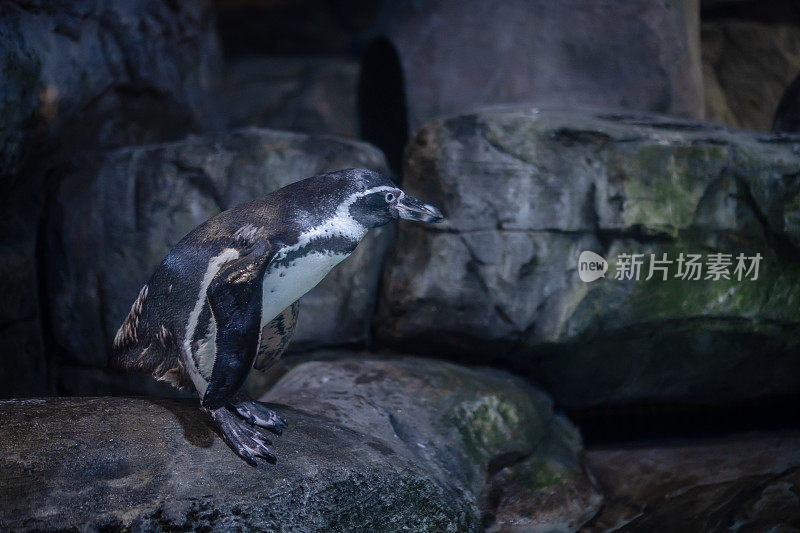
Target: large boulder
x,y
526,191
390,445
745,482
456,55
75,76
115,220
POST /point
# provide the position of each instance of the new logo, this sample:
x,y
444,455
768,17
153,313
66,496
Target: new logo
x,y
591,266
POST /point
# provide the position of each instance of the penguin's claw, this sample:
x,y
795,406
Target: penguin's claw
x,y
248,443
258,414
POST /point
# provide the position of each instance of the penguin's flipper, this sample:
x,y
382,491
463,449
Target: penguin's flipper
x,y
234,296
275,337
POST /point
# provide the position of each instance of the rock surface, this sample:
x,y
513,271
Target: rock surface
x,y
311,95
459,55
107,73
402,444
526,190
742,483
115,220
747,66
78,75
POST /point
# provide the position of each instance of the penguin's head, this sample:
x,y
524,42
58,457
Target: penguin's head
x,y
375,200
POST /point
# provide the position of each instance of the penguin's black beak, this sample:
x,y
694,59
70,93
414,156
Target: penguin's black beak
x,y
410,208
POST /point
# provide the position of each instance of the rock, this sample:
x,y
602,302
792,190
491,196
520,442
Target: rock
x,y
747,66
114,222
746,483
484,432
525,191
545,492
456,56
405,447
130,72
78,75
312,95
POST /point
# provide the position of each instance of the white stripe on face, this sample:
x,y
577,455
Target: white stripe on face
x,y
341,224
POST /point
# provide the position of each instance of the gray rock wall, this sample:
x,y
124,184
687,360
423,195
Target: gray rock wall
x,y
75,76
456,56
310,95
526,190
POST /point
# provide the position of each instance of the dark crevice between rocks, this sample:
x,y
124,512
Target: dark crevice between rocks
x,y
642,422
43,251
772,12
780,137
382,102
677,124
569,137
787,116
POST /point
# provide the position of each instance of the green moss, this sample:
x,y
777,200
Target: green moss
x,y
486,422
497,422
774,295
664,184
536,474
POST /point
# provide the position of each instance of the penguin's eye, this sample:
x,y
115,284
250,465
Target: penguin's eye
x,y
389,197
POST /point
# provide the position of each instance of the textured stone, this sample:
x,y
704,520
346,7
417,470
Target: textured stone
x,y
136,71
386,445
743,483
311,95
116,220
78,75
747,66
526,190
457,55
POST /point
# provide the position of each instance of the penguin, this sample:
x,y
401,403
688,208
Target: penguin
x,y
225,298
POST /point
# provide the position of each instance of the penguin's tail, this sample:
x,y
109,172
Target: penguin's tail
x,y
149,348
127,339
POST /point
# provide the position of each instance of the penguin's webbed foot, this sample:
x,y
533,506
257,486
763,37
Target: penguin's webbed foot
x,y
258,414
247,442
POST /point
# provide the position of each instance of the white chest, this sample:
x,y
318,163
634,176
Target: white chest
x,y
286,283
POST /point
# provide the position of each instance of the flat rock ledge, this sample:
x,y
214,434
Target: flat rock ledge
x,y
372,444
